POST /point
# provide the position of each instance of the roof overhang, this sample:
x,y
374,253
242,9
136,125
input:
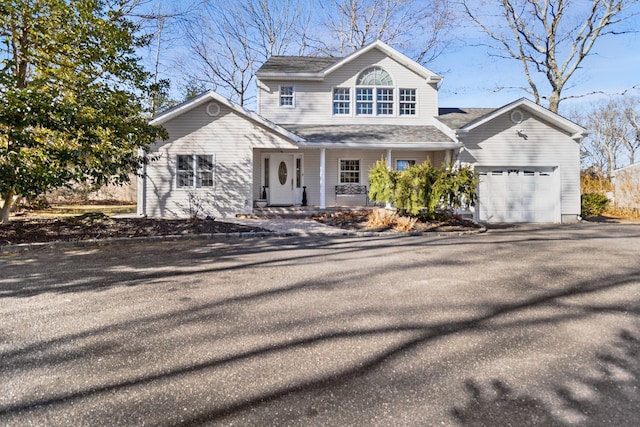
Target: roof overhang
x,y
279,75
390,52
427,146
429,76
210,96
576,131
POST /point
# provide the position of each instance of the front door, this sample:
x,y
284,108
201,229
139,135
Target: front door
x,y
281,179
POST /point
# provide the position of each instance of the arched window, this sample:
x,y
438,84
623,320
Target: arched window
x,y
374,76
374,92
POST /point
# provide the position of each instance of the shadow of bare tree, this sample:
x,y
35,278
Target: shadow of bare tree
x,y
611,397
298,331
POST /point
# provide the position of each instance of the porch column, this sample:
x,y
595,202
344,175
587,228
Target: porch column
x,y
323,203
447,157
389,167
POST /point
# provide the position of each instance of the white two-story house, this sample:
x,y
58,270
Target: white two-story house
x,y
321,123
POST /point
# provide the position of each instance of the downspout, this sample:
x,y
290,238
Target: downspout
x,y
142,186
323,203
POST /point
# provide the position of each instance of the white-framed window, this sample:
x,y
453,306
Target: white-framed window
x,y
384,98
287,94
407,98
374,92
194,171
404,164
341,101
364,101
349,171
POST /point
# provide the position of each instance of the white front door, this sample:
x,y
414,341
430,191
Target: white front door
x,y
281,179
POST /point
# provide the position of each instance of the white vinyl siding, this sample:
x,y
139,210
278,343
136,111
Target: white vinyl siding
x,y
232,138
497,144
315,101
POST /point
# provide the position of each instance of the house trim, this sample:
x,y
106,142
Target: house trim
x,y
428,75
212,96
429,146
577,132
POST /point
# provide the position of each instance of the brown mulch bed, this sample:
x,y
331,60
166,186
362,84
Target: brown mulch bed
x,y
357,220
99,226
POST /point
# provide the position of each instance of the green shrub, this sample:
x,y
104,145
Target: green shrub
x,y
594,204
423,189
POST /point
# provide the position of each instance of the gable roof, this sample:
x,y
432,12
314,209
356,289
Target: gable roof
x,y
577,132
317,68
456,118
201,99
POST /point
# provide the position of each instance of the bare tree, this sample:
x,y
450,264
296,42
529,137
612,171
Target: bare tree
x,y
613,134
550,38
632,114
231,39
416,26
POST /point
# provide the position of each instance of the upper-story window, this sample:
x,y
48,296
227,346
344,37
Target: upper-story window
x,y
407,102
341,101
374,92
286,96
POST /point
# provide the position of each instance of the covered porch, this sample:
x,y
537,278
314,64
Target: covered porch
x,y
331,165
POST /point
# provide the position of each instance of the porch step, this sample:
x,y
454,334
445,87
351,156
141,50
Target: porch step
x,y
295,212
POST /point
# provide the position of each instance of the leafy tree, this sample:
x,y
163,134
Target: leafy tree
x,y
70,84
550,38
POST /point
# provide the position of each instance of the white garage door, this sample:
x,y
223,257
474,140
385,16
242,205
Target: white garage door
x,y
518,195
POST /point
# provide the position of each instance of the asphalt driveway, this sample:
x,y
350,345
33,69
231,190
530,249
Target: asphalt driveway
x,y
514,327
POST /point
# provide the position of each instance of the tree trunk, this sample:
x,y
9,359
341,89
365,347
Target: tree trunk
x,y
7,202
554,101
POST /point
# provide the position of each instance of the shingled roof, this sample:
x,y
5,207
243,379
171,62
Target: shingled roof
x,y
297,64
371,135
456,118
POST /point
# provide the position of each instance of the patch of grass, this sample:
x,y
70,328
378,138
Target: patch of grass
x,y
82,209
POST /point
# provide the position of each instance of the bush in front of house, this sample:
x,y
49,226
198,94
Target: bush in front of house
x,y
423,189
594,204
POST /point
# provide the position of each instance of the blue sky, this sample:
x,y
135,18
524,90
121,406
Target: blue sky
x,y
471,75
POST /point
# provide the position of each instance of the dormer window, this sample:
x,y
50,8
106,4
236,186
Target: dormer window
x,y
286,96
374,92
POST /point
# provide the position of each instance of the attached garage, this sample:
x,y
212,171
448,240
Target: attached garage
x,y
528,159
518,194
